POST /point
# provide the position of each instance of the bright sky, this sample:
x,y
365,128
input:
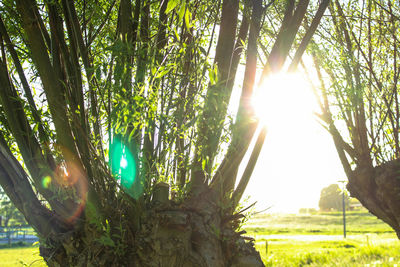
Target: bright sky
x,y
298,158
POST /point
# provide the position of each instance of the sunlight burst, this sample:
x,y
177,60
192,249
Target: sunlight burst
x,y
298,157
284,101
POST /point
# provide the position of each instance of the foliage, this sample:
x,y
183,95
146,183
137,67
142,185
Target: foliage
x,y
360,86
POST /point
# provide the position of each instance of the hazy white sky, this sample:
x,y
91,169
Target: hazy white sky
x,y
298,158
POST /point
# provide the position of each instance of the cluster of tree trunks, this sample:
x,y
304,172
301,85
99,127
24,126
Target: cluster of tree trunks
x,y
136,68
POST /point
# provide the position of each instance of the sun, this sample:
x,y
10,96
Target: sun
x,y
298,158
284,101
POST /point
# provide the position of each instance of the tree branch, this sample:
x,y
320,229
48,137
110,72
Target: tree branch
x,y
237,194
285,39
212,119
307,37
44,138
51,85
27,143
246,123
15,183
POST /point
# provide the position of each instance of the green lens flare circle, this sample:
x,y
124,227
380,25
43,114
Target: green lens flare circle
x,y
124,167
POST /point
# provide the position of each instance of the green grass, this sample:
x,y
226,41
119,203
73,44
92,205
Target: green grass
x,y
329,253
329,223
25,256
317,240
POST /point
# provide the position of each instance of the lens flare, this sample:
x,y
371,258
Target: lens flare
x,y
123,163
124,168
78,181
70,178
46,181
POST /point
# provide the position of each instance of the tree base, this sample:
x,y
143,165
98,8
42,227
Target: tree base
x,y
378,189
189,234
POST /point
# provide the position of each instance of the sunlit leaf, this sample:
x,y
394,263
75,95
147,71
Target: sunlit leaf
x,y
171,5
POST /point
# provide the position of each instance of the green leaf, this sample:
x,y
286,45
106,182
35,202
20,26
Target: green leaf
x,y
131,135
202,50
213,74
176,35
162,73
181,12
188,16
107,241
171,5
36,127
98,73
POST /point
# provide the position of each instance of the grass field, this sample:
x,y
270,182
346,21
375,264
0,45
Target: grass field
x,y
294,240
24,256
317,240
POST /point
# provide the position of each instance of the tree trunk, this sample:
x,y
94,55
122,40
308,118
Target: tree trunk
x,y
378,189
169,234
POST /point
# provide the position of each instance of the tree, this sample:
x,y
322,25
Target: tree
x,y
110,105
331,198
359,100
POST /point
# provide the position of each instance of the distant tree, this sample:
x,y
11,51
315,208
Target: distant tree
x,y
331,198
